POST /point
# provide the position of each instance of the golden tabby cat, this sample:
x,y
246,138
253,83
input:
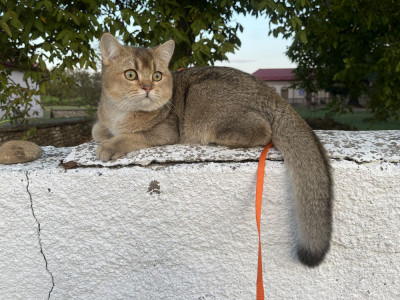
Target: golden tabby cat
x,y
143,104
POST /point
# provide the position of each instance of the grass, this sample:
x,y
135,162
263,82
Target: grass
x,y
54,101
46,114
358,118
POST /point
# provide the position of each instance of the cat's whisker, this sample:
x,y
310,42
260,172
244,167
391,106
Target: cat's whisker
x,y
170,106
160,102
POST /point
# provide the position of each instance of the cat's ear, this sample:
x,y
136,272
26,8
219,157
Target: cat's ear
x,y
110,48
164,51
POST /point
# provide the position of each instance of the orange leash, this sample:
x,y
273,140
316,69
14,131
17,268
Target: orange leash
x,y
259,192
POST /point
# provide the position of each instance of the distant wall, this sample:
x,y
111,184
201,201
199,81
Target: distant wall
x,y
36,111
69,113
58,133
295,95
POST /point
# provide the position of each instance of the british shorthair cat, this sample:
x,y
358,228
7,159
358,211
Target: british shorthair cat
x,y
143,104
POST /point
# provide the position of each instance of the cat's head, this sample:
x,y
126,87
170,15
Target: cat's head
x,y
136,79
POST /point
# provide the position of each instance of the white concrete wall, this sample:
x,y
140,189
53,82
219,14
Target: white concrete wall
x,y
18,78
293,94
296,96
178,222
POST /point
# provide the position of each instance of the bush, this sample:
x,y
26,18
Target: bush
x,y
82,88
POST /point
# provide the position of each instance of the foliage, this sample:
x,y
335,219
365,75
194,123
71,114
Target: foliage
x,y
347,47
202,30
350,48
35,33
81,88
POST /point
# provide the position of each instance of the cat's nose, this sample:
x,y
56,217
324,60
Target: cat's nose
x,y
147,89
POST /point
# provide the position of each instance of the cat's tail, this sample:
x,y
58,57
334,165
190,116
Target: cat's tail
x,y
310,173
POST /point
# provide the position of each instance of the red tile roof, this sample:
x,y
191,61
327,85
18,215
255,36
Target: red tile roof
x,y
275,74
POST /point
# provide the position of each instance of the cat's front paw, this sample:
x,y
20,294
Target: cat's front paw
x,y
109,151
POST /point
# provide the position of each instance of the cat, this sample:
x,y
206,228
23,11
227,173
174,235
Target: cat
x,y
143,104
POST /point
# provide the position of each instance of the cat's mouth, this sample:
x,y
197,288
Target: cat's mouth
x,y
147,97
146,102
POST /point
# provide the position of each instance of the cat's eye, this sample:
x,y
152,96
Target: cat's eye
x,y
157,76
131,75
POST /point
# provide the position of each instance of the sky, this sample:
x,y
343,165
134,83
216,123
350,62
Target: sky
x,y
259,50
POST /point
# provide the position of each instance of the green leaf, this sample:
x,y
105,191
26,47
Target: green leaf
x,y
397,67
60,15
42,64
48,5
39,25
46,46
280,8
75,19
15,22
61,34
6,16
303,37
6,28
42,89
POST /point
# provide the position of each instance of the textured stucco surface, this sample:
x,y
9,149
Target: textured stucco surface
x,y
374,145
184,228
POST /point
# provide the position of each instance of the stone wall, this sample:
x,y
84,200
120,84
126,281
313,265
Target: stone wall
x,y
57,133
178,222
69,113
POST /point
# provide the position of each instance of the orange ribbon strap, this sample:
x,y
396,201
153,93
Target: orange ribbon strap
x,y
259,192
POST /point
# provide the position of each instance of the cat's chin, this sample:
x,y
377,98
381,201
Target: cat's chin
x,y
147,104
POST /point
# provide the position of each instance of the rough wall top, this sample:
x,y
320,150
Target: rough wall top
x,y
357,146
361,147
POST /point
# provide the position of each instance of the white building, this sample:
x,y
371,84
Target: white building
x,y
17,77
282,81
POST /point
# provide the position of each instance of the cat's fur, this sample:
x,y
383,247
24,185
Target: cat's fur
x,y
212,105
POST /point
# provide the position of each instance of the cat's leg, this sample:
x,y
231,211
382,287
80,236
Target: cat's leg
x,y
120,145
161,134
101,133
243,133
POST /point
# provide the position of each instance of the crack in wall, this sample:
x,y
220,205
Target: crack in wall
x,y
39,237
168,163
